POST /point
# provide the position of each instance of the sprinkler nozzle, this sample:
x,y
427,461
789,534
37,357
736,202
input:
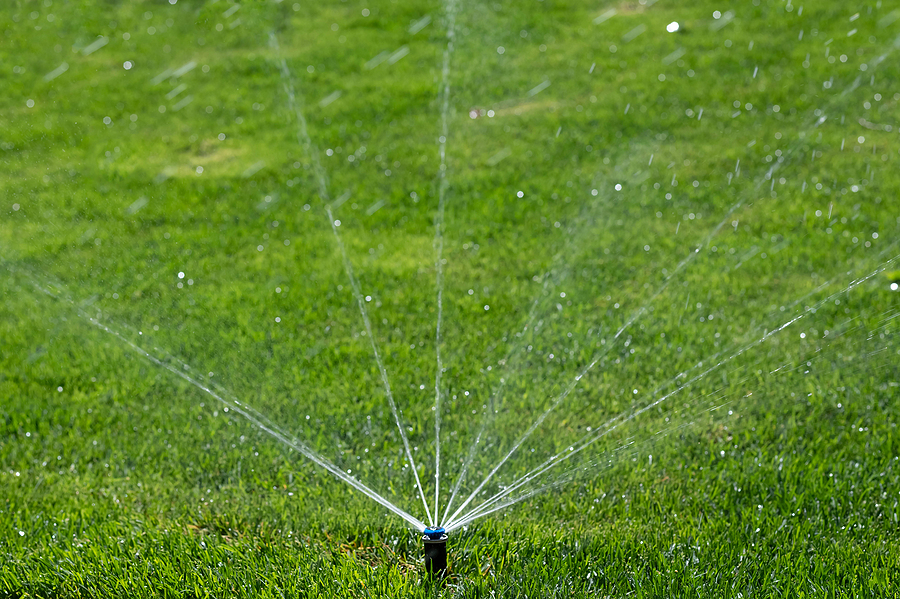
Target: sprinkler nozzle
x,y
435,540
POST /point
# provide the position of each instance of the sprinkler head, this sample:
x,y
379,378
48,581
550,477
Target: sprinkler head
x,y
435,540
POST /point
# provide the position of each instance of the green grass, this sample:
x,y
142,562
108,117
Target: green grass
x,y
683,189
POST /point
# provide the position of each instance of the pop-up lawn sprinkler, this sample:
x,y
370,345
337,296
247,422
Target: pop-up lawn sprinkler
x,y
435,540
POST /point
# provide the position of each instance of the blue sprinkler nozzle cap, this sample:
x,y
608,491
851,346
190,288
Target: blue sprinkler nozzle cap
x,y
434,534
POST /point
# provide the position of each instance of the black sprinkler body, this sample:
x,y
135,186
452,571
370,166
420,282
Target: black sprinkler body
x,y
435,540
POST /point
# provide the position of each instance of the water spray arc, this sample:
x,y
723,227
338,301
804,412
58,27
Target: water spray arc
x,y
164,361
491,504
434,538
306,142
444,94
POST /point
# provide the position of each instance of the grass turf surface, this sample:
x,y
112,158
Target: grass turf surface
x,y
695,191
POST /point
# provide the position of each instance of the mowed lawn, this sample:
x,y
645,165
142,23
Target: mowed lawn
x,y
667,258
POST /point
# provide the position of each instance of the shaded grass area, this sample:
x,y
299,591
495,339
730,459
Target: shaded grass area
x,y
661,203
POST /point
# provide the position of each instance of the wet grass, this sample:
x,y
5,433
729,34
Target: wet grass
x,y
682,186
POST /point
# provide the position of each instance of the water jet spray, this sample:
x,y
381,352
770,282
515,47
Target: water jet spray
x,y
435,541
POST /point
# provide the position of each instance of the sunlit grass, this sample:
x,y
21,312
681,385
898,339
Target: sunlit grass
x,y
612,178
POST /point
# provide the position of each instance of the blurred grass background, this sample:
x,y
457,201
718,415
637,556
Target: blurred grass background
x,y
153,180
